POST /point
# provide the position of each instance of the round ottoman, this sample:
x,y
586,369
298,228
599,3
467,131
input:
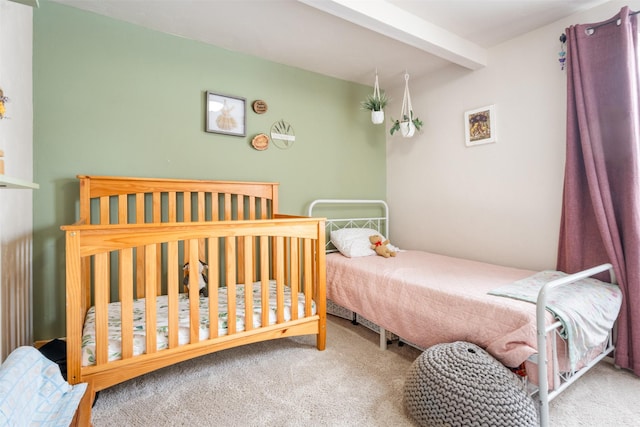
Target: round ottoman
x,y
460,384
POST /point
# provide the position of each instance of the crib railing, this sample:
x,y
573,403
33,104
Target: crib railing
x,y
103,266
127,200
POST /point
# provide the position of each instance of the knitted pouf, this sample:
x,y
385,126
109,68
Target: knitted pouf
x,y
460,384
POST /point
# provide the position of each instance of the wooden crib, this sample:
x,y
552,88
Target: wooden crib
x,y
128,249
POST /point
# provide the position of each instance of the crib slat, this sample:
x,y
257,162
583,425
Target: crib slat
x,y
171,206
295,276
156,217
264,279
248,285
240,207
227,207
126,300
230,267
201,206
252,215
240,250
122,209
279,250
213,285
187,206
101,297
251,204
140,210
287,249
201,217
263,208
308,276
104,210
173,288
140,281
215,207
194,292
155,207
150,297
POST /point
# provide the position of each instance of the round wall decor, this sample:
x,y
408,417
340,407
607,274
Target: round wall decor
x,y
260,142
282,134
259,106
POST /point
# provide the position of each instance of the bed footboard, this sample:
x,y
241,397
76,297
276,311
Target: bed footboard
x,y
548,364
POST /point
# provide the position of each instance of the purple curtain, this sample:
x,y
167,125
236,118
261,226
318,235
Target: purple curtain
x,y
601,200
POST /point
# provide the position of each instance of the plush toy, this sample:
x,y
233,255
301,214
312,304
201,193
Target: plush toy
x,y
202,278
380,247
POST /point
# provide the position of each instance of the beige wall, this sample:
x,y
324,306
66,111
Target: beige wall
x,y
16,140
499,202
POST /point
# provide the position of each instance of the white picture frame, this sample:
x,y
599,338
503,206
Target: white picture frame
x,y
480,126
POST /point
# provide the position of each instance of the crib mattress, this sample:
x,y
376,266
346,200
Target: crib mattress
x,y
162,329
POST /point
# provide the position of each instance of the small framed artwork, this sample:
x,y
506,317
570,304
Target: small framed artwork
x,y
480,126
226,114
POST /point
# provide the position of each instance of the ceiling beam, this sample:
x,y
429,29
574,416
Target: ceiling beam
x,y
389,20
32,3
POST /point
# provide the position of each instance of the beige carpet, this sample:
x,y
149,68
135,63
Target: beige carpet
x,y
352,383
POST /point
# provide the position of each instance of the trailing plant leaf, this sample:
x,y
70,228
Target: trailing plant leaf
x,y
395,126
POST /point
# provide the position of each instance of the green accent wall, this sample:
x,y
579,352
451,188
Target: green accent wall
x,y
111,98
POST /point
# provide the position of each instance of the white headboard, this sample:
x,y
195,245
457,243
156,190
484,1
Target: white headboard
x,y
379,222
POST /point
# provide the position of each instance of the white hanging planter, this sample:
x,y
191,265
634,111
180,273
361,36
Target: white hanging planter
x,y
377,117
376,103
407,129
408,123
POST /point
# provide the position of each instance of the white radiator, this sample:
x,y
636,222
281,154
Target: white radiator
x,y
16,295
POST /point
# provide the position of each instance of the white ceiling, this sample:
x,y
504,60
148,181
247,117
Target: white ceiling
x,y
347,39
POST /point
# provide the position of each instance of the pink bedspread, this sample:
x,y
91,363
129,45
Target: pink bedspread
x,y
428,299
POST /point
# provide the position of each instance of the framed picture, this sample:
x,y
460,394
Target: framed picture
x,y
226,114
480,126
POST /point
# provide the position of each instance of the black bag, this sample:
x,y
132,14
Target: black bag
x,y
56,351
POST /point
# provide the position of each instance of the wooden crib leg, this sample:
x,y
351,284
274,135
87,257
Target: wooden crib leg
x,y
321,341
82,418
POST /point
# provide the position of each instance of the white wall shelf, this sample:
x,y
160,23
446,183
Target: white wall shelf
x,y
11,182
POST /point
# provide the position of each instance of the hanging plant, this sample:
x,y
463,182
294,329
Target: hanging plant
x,y
376,103
408,124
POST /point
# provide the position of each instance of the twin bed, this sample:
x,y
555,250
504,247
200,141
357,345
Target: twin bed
x,y
427,299
128,311
268,275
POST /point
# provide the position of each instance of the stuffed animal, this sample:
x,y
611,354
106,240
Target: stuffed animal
x,y
380,247
202,278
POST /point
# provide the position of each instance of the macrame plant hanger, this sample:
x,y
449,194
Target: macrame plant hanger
x,y
407,127
377,117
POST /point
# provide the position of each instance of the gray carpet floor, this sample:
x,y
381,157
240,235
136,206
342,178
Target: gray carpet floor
x,y
288,382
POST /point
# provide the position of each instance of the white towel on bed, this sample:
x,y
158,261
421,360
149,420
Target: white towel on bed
x,y
587,308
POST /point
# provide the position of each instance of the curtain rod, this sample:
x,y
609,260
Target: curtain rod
x,y
609,22
563,36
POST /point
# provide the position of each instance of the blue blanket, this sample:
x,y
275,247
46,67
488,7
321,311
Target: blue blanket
x,y
587,308
33,392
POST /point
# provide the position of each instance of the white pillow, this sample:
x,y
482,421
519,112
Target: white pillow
x,y
354,242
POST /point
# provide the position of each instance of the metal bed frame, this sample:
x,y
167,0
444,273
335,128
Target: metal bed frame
x,y
561,380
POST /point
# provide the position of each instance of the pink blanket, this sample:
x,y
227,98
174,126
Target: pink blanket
x,y
428,299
